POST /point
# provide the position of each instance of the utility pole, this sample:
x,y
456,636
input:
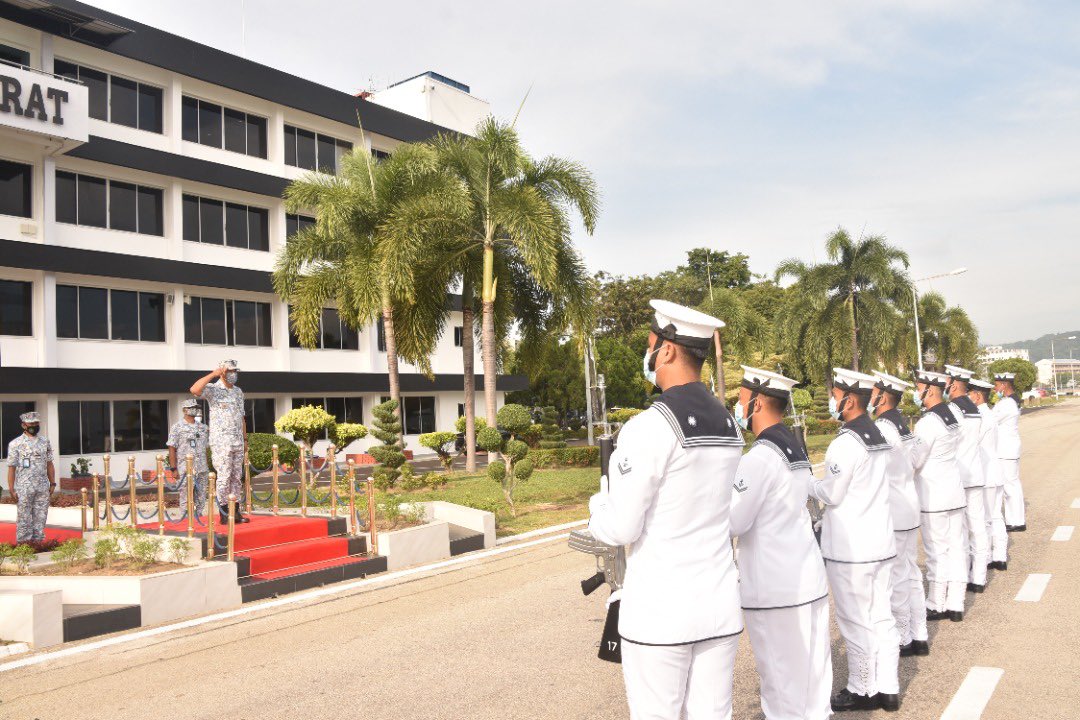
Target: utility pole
x,y
588,388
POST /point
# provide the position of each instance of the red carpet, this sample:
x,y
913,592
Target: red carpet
x,y
7,533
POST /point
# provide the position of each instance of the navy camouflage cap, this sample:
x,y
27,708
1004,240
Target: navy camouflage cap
x,y
30,417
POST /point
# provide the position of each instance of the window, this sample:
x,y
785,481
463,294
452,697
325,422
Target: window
x,y
379,154
212,321
96,202
15,198
99,314
13,56
10,425
211,124
461,409
380,332
419,414
459,336
100,426
344,409
334,334
296,223
259,414
312,151
16,303
220,223
116,99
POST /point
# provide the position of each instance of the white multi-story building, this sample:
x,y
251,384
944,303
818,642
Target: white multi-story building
x,y
992,353
141,176
1064,368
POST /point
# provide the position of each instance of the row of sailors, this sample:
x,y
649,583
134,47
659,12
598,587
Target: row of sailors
x,y
680,488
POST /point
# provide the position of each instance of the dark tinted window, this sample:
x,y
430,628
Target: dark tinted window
x,y
213,321
263,320
93,313
125,315
67,311
151,317
419,415
127,425
92,201
354,410
290,145
95,434
191,218
190,119
458,336
256,136
259,414
14,56
350,338
66,69
305,149
236,225
342,149
246,325
15,189
209,124
10,425
16,302
380,335
67,202
155,424
210,221
124,101
122,212
235,130
327,157
150,214
193,320
149,108
70,434
98,85
331,329
258,230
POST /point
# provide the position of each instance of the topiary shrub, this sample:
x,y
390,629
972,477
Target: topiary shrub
x,y
261,451
387,430
621,415
489,439
512,419
801,400
478,423
552,434
307,423
341,434
532,435
588,456
442,443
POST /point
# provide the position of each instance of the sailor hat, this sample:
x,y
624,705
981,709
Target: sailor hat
x,y
230,365
853,381
682,325
890,383
926,377
189,403
30,417
1005,376
980,384
767,383
959,373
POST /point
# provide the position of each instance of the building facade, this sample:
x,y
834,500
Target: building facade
x,y
141,177
992,353
1065,369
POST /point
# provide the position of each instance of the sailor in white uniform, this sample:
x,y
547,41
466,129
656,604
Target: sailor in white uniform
x,y
942,499
908,601
668,498
858,546
969,458
1007,412
781,574
979,392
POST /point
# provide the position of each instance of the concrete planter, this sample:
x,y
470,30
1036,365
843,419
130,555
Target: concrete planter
x,y
58,516
416,545
480,521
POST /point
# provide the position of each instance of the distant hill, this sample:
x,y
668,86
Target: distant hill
x,y
1040,347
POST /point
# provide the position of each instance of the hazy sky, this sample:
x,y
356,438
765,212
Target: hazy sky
x,y
952,127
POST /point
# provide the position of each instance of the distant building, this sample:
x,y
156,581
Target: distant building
x,y
1064,368
436,99
992,353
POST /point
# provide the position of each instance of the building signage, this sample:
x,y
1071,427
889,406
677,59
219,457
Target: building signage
x,y
42,104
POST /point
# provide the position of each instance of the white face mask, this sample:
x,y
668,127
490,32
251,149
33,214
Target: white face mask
x,y
650,375
198,419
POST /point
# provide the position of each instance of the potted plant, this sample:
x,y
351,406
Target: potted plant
x,y
81,477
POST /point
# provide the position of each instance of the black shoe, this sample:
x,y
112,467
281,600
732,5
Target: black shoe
x,y
937,614
973,588
240,518
846,700
888,703
223,513
999,565
920,647
956,615
1016,528
907,650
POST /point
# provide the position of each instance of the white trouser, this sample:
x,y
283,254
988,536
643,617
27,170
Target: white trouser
x,y
1014,493
995,522
665,681
978,540
864,615
794,660
908,602
946,559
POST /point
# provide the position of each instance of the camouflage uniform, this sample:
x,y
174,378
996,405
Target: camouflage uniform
x,y
190,438
30,456
226,438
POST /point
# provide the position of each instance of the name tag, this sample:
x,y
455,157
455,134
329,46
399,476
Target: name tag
x,y
191,442
26,462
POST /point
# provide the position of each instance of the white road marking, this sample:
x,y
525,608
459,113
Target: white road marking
x,y
971,699
1062,534
325,591
1033,588
1075,504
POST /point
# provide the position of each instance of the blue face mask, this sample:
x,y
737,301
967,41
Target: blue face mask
x,y
917,397
834,408
740,416
650,375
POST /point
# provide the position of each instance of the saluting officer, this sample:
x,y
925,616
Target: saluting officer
x,y
668,498
969,460
979,392
908,601
785,596
858,546
1007,412
31,479
942,499
228,432
189,436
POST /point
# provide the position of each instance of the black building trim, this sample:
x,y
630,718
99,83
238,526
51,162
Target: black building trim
x,y
28,380
137,157
172,52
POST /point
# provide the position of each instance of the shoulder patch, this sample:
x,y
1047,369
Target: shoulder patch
x,y
697,418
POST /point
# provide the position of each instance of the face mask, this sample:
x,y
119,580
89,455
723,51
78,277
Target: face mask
x,y
740,416
834,408
198,419
918,398
230,377
191,413
650,375
33,429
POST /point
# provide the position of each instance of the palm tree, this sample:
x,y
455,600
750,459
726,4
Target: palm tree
x,y
370,251
948,334
520,207
743,333
855,295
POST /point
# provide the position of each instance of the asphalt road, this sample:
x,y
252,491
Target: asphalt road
x,y
512,637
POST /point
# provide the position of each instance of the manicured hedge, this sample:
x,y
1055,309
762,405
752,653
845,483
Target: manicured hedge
x,y
565,457
260,451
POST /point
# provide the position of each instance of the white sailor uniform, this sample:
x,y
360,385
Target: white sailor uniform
x,y
995,481
969,460
858,546
1007,413
908,601
782,578
669,499
942,501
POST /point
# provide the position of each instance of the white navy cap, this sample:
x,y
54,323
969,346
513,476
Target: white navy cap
x,y
853,381
767,383
980,384
30,417
959,373
890,383
926,377
682,325
1005,376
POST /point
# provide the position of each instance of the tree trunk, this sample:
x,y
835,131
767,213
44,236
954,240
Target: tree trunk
x,y
488,337
468,362
391,354
854,336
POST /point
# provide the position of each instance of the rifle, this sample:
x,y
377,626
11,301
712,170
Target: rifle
x,y
610,567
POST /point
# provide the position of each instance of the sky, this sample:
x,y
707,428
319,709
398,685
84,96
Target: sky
x,y
950,127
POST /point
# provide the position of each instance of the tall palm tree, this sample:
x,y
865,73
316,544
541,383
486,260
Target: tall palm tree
x,y
369,251
521,207
855,293
948,334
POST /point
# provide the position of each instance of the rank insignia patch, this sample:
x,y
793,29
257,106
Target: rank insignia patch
x,y
625,466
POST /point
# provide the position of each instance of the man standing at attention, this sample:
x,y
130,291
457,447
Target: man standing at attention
x,y
31,479
979,392
785,596
969,460
189,436
1007,413
668,498
228,432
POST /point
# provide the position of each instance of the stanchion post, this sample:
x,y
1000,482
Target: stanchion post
x,y
331,457
96,501
133,516
161,495
232,527
210,519
247,480
373,533
303,482
108,491
189,485
83,491
352,497
274,492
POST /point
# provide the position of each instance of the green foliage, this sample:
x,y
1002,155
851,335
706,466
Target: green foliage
x,y
801,399
623,414
497,471
396,509
821,403
485,504
20,556
434,480
515,450
816,426
532,435
308,423
1026,373
523,469
556,376
80,468
387,430
71,552
620,364
478,422
552,436
145,551
587,456
177,550
513,418
409,480
106,551
342,434
261,453
489,439
442,443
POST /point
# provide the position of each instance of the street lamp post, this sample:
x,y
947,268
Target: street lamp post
x,y
1072,365
915,301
